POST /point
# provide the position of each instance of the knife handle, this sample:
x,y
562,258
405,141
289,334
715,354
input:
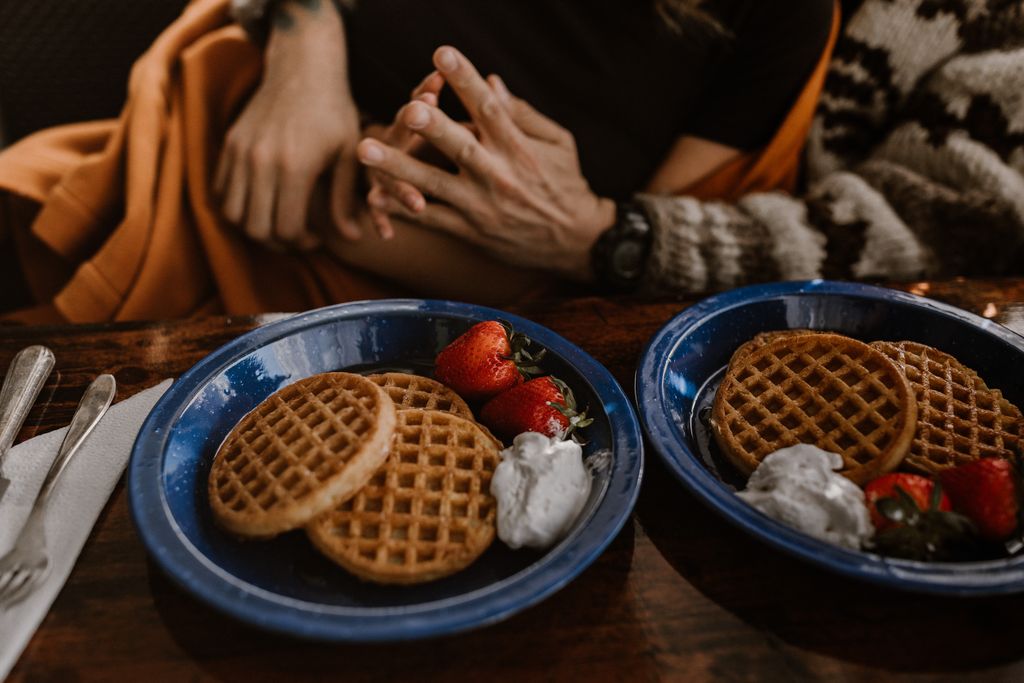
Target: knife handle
x,y
25,379
97,398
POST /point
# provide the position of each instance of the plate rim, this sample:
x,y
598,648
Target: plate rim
x,y
204,579
953,579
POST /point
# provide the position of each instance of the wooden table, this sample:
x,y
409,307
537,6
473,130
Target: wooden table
x,y
679,594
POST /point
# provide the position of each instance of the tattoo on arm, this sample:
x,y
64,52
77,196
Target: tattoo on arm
x,y
282,17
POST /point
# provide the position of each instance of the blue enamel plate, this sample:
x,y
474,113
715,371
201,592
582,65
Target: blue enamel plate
x,y
683,364
284,584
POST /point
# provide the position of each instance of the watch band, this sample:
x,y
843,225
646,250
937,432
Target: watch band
x,y
619,257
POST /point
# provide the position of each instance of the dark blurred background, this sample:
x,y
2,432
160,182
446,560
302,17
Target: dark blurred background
x,y
68,60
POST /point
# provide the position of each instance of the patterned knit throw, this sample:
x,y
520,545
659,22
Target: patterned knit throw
x,y
916,163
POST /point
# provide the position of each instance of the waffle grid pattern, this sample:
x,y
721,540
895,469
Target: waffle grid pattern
x,y
837,393
294,443
426,513
422,393
765,338
960,419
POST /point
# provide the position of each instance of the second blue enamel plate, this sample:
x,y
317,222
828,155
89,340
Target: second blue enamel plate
x,y
684,362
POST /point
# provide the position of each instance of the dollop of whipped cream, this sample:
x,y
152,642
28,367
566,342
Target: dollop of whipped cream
x,y
798,486
541,486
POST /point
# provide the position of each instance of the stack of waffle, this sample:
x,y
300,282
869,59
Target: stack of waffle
x,y
388,474
880,406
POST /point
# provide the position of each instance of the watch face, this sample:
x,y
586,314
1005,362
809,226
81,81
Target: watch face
x,y
627,259
620,255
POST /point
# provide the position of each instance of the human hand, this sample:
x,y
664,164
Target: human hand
x,y
519,193
300,121
400,137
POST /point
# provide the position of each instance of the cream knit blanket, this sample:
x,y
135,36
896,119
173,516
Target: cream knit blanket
x,y
916,163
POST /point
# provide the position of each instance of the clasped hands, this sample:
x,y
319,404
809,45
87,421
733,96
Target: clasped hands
x,y
517,191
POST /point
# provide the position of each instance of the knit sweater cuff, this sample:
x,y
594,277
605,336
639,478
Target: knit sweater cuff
x,y
705,246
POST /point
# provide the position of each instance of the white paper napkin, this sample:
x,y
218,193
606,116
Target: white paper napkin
x,y
80,496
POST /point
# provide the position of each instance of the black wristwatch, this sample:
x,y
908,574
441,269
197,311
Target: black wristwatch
x,y
619,256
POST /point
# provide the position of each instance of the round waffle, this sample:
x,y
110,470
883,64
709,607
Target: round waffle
x,y
423,393
959,418
303,450
763,338
823,389
414,392
426,513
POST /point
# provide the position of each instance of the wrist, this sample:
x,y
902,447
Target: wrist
x,y
601,220
604,217
306,35
260,17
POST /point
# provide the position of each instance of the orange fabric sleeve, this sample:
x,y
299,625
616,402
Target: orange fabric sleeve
x,y
777,166
126,227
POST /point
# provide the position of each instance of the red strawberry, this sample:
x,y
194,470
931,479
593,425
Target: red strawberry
x,y
986,492
912,518
486,360
917,487
544,405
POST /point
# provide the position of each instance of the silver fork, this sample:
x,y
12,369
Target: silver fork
x,y
28,563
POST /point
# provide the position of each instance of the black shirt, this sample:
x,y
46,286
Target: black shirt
x,y
610,71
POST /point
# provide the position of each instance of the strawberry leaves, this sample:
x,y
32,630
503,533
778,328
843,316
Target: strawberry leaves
x,y
922,534
577,420
526,362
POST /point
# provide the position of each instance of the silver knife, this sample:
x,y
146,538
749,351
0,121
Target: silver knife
x,y
25,379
